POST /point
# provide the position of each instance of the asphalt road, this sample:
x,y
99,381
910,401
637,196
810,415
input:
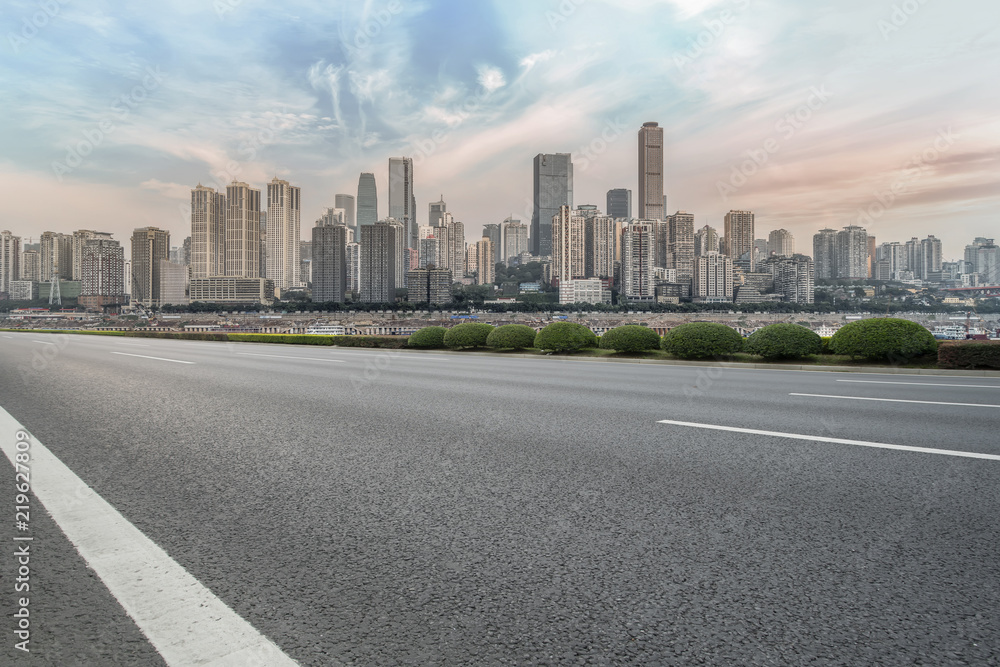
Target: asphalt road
x,y
370,507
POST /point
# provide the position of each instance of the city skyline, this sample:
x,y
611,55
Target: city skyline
x,y
323,102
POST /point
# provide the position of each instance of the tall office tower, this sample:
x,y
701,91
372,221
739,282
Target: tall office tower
x,y
57,255
347,203
706,240
400,267
780,243
353,260
10,260
432,286
486,272
930,250
568,245
102,266
367,200
494,232
149,246
208,232
851,254
599,246
713,276
739,235
825,253
793,277
284,203
680,244
80,237
378,262
515,239
619,204
652,203
31,266
456,248
401,199
553,187
329,263
436,212
637,261
243,247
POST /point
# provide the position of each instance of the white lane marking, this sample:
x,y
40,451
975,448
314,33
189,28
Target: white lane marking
x,y
43,342
839,441
8,336
926,384
898,400
146,356
184,621
282,356
133,344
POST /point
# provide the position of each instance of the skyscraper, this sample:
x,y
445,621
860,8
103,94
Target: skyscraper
x,y
10,260
739,231
353,254
638,241
568,245
436,211
680,244
367,200
243,248
401,198
652,204
486,273
930,250
515,239
781,243
825,254
402,257
599,246
57,255
283,235
706,240
208,232
102,265
329,263
553,187
149,246
31,265
713,277
347,203
851,253
378,263
494,232
619,203
793,277
456,248
80,237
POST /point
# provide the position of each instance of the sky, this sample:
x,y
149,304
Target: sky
x,y
884,113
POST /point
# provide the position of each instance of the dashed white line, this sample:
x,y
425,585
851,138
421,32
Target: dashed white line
x,y
282,356
839,441
926,384
898,400
183,620
146,356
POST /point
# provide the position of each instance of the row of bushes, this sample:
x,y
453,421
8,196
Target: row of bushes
x,y
886,339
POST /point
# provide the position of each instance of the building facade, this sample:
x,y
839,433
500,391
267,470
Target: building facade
x,y
208,232
713,277
378,258
739,235
638,255
102,276
652,203
329,263
619,203
552,188
150,245
243,247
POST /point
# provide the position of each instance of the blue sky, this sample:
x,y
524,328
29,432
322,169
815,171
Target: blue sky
x,y
809,114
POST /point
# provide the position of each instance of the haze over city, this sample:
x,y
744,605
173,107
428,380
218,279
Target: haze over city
x,y
834,103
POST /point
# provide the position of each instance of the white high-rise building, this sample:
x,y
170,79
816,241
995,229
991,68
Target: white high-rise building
x,y
780,243
851,253
80,237
353,255
638,258
515,239
739,234
713,277
208,232
283,235
485,271
706,240
242,231
10,260
652,203
599,246
568,244
680,244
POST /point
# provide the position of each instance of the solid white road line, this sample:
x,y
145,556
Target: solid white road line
x,y
898,400
839,441
282,356
146,356
926,384
182,619
43,342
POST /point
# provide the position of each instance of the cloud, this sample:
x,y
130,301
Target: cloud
x,y
491,78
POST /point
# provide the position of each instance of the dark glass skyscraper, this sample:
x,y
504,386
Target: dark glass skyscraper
x,y
620,203
553,187
367,200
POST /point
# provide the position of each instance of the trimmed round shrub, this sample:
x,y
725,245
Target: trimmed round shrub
x,y
470,334
883,339
783,341
428,338
630,338
511,337
565,337
702,340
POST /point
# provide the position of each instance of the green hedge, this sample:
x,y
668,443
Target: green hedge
x,y
565,337
469,334
702,340
630,338
825,345
783,341
511,337
883,339
428,338
977,354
